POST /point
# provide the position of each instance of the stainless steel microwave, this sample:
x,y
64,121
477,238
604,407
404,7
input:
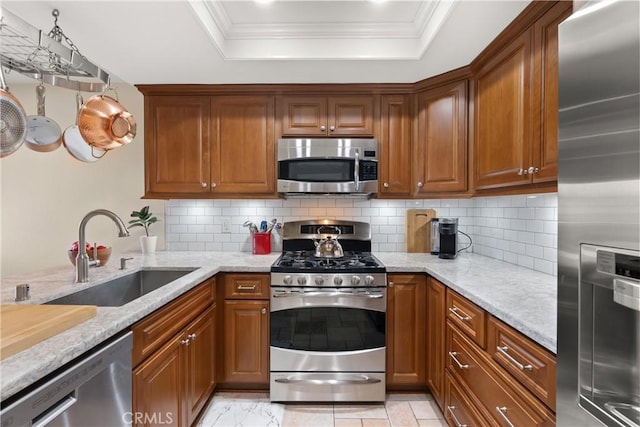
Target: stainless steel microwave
x,y
327,166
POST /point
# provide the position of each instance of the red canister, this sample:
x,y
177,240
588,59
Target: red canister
x,y
261,243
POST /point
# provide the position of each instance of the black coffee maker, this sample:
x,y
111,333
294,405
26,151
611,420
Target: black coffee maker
x,y
448,238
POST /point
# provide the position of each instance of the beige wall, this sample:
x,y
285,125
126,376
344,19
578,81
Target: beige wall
x,y
45,195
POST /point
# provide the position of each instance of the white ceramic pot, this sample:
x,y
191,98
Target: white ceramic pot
x,y
148,244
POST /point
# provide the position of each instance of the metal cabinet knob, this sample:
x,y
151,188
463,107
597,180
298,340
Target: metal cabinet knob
x,y
192,336
204,185
523,171
391,284
323,128
213,185
263,311
420,184
533,169
385,185
332,128
185,342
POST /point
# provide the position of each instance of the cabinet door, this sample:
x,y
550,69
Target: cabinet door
x,y
199,372
394,146
406,323
157,387
436,317
503,116
441,146
246,342
303,115
545,86
350,115
242,158
177,144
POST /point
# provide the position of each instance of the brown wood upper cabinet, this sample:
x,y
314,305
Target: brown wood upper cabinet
x,y
440,151
242,155
515,107
197,145
394,146
311,115
177,144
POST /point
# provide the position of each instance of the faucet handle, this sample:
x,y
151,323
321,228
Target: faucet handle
x,y
123,262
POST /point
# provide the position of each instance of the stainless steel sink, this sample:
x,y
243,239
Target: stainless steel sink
x,y
122,290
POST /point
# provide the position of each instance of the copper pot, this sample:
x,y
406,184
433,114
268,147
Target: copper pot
x,y
105,124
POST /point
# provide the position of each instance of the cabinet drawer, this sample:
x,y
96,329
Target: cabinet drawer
x,y
467,316
530,364
246,286
459,410
503,402
157,328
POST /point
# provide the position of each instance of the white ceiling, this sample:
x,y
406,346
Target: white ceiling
x,y
285,41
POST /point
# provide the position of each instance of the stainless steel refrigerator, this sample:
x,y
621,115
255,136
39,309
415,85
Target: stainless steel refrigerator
x,y
598,216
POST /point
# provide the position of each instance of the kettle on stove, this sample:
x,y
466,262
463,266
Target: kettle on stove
x,y
328,247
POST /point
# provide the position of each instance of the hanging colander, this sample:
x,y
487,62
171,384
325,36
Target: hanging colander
x,y
13,120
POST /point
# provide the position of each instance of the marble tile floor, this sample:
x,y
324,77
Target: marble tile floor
x,y
255,410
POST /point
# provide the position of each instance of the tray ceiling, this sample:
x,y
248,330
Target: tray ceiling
x,y
283,41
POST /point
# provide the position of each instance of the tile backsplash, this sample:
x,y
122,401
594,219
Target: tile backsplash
x,y
521,230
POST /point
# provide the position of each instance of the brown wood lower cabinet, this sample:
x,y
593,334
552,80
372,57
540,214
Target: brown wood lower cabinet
x,y
246,343
500,399
245,331
173,385
458,409
436,300
406,323
173,381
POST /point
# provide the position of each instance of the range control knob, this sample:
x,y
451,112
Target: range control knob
x,y
368,280
355,280
337,280
319,280
287,280
302,280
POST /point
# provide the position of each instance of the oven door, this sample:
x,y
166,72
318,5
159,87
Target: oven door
x,y
327,345
320,329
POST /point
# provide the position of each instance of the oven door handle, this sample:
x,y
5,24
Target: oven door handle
x,y
327,294
335,381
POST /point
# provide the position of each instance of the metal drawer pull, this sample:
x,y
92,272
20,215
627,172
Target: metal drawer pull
x,y
327,294
502,411
246,288
454,311
455,419
185,342
504,351
293,380
191,336
453,355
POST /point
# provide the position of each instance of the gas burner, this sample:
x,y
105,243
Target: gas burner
x,y
293,261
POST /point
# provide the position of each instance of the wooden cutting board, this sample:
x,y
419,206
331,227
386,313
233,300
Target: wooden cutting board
x,y
418,230
22,326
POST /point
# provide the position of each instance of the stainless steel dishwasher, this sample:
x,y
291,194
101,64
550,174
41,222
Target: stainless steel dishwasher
x,y
93,391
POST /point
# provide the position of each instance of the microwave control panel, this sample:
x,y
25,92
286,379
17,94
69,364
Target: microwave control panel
x,y
368,170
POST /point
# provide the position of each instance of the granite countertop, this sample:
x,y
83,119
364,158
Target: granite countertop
x,y
522,298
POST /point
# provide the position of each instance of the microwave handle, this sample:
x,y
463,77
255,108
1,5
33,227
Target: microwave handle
x,y
356,175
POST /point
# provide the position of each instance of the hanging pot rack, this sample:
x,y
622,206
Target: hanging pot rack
x,y
50,57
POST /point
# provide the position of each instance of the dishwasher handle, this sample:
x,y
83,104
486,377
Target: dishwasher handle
x,y
48,416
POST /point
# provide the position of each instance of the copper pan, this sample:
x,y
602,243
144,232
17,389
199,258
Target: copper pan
x,y
105,124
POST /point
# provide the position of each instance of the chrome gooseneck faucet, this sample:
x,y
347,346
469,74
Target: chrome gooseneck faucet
x,y
82,259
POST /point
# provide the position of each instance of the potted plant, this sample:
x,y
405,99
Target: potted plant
x,y
144,218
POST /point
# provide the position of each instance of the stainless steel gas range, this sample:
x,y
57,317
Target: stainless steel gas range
x,y
328,316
